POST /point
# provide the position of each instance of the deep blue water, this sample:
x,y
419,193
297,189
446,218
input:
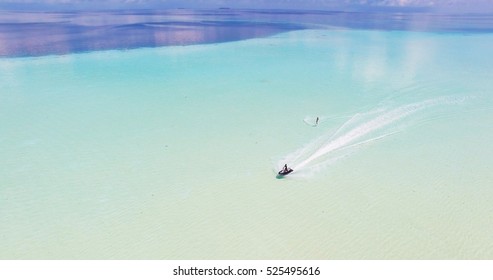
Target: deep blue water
x,y
44,33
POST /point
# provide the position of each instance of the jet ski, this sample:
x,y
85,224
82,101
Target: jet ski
x,y
285,171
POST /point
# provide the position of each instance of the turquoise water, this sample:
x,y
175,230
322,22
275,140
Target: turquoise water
x,y
172,152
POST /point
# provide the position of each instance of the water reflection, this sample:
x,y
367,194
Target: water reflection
x,y
32,34
42,33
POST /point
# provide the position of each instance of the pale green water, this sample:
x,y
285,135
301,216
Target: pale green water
x,y
170,152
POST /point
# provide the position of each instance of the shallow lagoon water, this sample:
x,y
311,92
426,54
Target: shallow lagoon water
x,y
171,152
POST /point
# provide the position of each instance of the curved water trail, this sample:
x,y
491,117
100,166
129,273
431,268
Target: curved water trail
x,y
360,129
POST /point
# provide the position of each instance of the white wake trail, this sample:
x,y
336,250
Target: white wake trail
x,y
355,133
